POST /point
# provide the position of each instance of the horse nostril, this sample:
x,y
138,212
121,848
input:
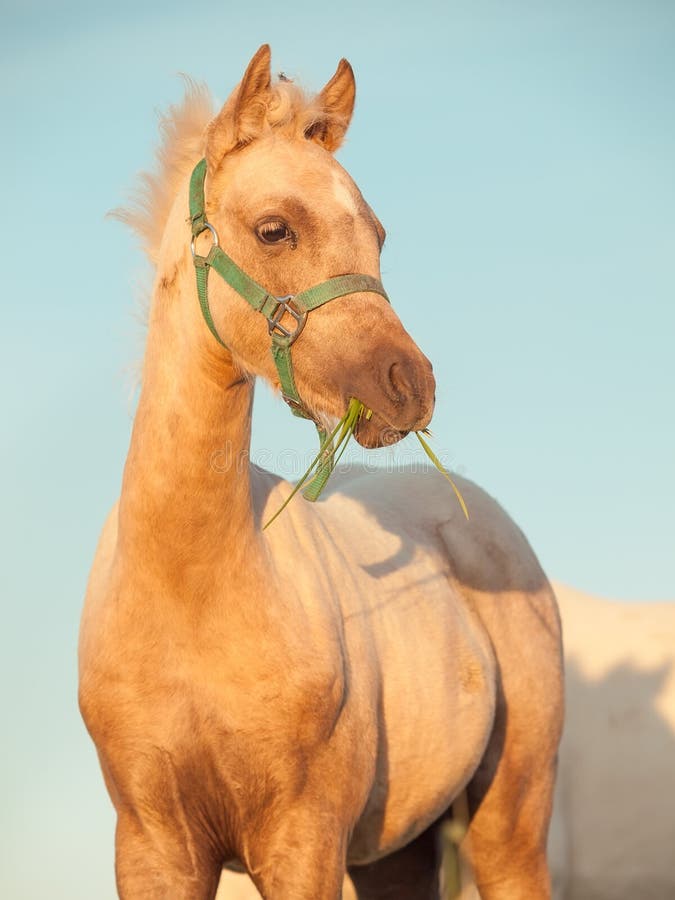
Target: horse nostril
x,y
403,389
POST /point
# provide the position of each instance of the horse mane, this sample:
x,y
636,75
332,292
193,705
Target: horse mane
x,y
183,132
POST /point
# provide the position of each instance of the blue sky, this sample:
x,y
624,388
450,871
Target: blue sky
x,y
522,158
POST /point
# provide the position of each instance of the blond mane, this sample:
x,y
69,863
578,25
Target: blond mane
x,y
183,131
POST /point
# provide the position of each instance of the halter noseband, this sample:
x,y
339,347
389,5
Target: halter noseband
x,y
273,308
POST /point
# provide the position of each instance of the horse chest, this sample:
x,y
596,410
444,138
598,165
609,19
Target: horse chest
x,y
218,710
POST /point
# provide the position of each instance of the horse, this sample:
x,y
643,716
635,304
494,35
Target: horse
x,y
307,699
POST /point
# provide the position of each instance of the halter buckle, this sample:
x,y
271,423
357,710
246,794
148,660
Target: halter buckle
x,y
283,306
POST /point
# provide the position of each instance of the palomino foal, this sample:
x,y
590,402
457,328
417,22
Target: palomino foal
x,y
311,697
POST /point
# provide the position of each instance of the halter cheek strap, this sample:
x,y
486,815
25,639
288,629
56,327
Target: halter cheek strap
x,y
276,310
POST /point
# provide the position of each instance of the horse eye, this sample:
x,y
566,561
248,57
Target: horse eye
x,y
274,231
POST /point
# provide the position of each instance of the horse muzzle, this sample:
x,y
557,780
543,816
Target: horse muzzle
x,y
401,396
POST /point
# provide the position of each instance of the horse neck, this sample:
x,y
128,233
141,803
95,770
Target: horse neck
x,y
186,505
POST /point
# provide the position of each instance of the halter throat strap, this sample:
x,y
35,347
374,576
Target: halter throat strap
x,y
286,316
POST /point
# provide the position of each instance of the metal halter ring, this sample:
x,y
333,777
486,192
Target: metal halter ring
x,y
274,325
214,235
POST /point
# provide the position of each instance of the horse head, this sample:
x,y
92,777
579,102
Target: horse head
x,y
292,218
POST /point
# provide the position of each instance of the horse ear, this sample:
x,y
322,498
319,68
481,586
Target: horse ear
x,y
243,116
335,105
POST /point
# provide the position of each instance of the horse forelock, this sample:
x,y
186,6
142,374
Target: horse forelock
x,y
289,110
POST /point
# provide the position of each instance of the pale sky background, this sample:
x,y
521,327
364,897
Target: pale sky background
x,y
522,158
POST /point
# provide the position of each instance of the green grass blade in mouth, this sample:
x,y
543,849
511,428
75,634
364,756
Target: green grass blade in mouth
x,y
330,453
310,470
333,454
327,453
354,413
441,468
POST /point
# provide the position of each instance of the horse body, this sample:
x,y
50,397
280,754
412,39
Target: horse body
x,y
408,643
316,695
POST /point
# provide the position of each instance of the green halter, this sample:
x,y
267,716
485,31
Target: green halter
x,y
274,310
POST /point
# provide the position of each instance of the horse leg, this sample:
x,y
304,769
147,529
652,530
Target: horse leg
x,y
161,864
511,794
301,858
411,873
506,841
